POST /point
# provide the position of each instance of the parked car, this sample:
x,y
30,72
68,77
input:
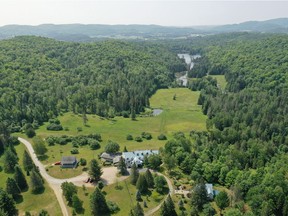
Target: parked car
x,y
57,163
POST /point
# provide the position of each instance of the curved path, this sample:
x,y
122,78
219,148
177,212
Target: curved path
x,y
171,192
108,177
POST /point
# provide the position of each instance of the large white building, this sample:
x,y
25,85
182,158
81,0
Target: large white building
x,y
137,157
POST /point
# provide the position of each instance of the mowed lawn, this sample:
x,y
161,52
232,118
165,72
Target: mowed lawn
x,y
124,197
32,202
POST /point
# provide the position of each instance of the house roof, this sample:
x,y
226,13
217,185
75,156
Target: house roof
x,y
139,153
68,160
105,155
209,188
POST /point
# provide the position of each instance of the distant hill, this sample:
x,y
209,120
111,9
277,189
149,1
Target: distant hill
x,y
81,32
270,26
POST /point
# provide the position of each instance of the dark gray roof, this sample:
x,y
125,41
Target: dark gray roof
x,y
68,160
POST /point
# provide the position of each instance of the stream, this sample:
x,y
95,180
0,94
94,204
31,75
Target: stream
x,y
189,61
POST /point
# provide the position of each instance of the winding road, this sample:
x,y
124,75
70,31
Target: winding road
x,y
108,177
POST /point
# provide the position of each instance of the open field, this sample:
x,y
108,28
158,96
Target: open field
x,y
182,114
220,80
47,200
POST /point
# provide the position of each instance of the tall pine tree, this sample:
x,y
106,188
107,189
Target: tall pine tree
x,y
122,167
36,182
98,203
20,179
141,184
12,188
27,162
10,161
149,178
134,174
7,204
95,171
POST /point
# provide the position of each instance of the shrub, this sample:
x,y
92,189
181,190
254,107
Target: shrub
x,y
95,136
74,151
125,114
129,137
162,137
93,144
30,132
146,135
156,196
82,162
54,127
113,207
79,129
138,139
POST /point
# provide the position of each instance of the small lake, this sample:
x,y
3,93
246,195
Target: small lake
x,y
157,112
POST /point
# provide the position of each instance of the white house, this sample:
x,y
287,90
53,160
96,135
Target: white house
x,y
137,157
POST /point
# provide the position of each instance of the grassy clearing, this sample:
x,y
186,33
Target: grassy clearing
x,y
220,80
125,198
182,114
47,200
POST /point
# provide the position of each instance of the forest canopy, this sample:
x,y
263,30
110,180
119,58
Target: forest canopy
x,y
41,77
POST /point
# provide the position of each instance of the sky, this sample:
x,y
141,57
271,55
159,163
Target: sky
x,y
160,12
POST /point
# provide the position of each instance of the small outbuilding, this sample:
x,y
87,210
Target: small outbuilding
x,y
68,162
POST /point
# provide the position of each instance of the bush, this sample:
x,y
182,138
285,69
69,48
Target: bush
x,y
93,144
138,139
54,127
113,207
146,135
162,137
125,114
30,132
74,151
82,162
95,136
129,137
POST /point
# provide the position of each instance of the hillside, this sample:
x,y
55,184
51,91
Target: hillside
x,y
41,78
92,32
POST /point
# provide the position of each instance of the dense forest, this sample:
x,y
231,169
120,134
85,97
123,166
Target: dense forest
x,y
246,146
40,78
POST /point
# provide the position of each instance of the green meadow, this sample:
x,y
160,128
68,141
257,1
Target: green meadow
x,y
182,114
220,80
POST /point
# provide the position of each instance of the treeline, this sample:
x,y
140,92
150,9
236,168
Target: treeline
x,y
41,78
246,147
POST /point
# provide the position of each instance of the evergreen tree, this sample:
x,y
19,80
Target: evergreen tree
x,y
20,179
138,195
160,183
137,210
36,182
141,184
134,174
125,149
199,197
12,188
222,200
149,178
27,162
164,210
10,160
68,190
98,203
95,171
170,206
7,204
122,167
77,203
